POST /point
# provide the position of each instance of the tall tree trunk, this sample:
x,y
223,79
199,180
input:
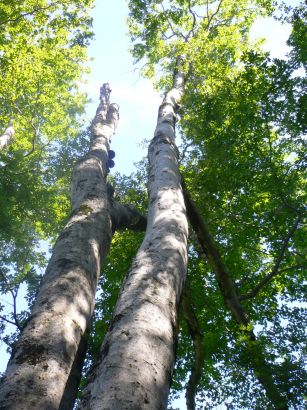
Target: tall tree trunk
x,y
7,137
137,356
43,356
262,370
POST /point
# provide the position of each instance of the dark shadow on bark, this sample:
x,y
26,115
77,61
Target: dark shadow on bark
x,y
148,290
74,378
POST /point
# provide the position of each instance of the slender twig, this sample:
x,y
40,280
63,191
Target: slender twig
x,y
175,33
207,6
300,255
191,32
14,294
35,135
213,15
184,151
9,321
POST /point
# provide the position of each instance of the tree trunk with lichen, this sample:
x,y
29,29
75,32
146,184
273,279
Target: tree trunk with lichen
x,y
7,137
136,360
42,358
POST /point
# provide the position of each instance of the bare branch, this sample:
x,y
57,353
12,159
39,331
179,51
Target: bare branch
x,y
14,294
9,321
184,151
262,369
207,6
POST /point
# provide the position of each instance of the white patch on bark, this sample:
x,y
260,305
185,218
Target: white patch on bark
x,y
7,137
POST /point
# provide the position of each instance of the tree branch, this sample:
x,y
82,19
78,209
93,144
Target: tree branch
x,y
213,15
9,321
127,217
191,32
14,304
263,371
29,13
275,271
210,249
199,352
174,33
35,134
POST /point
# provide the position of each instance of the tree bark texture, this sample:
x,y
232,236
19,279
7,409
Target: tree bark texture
x,y
7,137
43,357
134,370
256,353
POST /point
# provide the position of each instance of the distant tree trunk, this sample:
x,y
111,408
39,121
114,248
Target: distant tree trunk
x,y
198,344
7,137
256,354
44,354
134,370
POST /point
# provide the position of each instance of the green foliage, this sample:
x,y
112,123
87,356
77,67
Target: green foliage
x,y
208,33
245,171
242,122
42,59
298,37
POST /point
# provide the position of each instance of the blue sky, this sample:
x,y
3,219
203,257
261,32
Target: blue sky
x,y
113,64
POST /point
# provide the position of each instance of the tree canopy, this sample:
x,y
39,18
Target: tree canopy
x,y
242,121
42,59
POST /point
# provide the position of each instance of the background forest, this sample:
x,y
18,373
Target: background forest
x,y
241,126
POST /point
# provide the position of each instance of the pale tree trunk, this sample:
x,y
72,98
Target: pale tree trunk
x,y
134,370
43,356
7,137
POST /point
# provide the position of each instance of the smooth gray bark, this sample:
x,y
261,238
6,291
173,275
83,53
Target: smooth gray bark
x,y
126,216
43,356
7,137
134,370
